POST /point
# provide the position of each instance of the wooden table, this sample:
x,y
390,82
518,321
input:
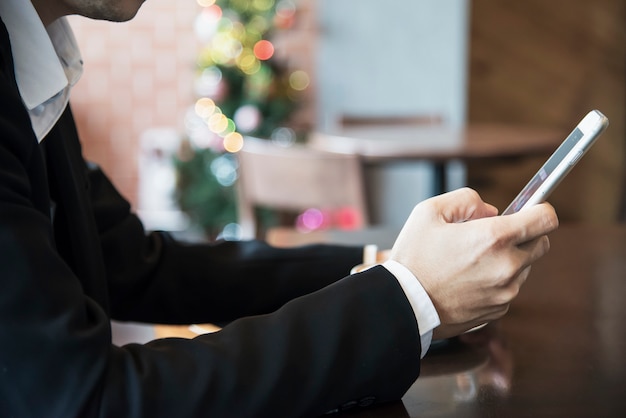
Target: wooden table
x,y
559,352
377,144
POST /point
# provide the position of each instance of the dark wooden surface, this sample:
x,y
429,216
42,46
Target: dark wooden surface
x,y
559,352
385,142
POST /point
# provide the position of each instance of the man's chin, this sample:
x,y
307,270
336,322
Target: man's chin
x,y
121,14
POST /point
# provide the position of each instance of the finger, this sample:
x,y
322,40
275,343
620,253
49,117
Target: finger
x,y
522,277
526,255
489,314
529,224
462,205
515,285
535,249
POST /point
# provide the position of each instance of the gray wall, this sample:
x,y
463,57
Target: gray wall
x,y
396,57
390,57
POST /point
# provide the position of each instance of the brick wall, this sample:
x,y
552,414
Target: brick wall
x,y
139,75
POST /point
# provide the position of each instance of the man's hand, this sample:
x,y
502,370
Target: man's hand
x,y
471,262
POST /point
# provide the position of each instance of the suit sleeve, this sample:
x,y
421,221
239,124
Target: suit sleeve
x,y
154,278
351,343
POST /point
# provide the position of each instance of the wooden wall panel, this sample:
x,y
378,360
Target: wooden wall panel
x,y
547,63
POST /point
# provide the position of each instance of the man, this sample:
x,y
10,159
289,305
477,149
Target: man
x,y
304,340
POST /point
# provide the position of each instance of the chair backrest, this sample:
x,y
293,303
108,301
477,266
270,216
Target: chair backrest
x,y
347,121
296,178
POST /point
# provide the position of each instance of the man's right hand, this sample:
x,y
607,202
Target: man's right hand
x,y
471,262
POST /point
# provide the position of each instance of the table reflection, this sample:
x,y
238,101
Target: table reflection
x,y
460,370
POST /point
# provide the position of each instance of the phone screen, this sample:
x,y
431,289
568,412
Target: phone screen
x,y
560,162
545,171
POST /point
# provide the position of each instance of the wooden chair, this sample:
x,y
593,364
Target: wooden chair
x,y
347,121
296,178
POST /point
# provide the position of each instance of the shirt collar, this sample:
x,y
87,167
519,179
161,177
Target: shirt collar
x,y
46,61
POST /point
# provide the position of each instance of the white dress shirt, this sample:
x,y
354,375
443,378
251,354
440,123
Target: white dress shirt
x,y
48,63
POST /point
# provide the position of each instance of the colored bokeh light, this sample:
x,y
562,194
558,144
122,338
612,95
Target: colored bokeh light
x,y
348,218
285,14
233,142
262,5
247,118
264,50
213,12
310,220
224,169
218,123
204,107
248,63
299,80
258,25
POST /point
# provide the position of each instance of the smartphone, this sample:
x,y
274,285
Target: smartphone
x,y
560,162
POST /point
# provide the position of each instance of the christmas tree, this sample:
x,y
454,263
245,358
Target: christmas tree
x,y
242,90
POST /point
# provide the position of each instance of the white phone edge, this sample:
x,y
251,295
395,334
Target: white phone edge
x,y
591,126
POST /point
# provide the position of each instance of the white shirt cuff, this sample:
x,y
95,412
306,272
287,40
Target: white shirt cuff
x,y
423,308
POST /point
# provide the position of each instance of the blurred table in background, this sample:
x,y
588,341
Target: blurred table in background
x,y
559,352
384,142
390,152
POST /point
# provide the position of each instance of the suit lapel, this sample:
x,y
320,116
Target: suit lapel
x,y
76,233
6,56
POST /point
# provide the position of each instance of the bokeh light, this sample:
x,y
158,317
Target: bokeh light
x,y
310,220
258,25
264,50
217,123
299,80
207,22
348,218
238,31
248,63
231,232
240,5
198,132
204,107
285,137
247,118
233,142
225,48
285,14
230,127
224,168
209,82
262,5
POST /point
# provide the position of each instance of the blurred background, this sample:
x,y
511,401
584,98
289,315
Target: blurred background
x,y
146,105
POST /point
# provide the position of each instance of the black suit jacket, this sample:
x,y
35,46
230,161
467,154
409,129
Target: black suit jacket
x,y
303,340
